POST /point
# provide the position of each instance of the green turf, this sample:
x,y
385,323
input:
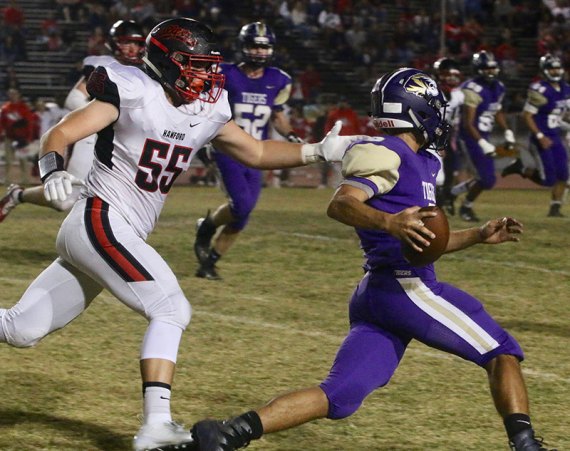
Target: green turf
x,y
274,324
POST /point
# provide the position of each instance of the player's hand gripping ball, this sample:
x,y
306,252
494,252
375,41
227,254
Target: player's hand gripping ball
x,y
439,226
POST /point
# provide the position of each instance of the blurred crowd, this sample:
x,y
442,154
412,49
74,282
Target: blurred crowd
x,y
363,36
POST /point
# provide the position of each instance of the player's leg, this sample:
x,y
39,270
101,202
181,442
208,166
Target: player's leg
x,y
243,187
486,179
560,177
365,361
106,247
56,297
452,320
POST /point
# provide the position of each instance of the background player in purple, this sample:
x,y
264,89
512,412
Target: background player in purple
x,y
482,105
257,94
387,179
543,113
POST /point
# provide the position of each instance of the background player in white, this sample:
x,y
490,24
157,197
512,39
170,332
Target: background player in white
x,y
149,125
125,42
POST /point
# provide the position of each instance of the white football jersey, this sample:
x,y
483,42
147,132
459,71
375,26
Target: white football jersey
x,y
139,156
98,60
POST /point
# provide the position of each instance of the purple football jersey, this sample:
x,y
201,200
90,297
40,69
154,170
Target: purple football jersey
x,y
491,97
415,186
253,100
549,114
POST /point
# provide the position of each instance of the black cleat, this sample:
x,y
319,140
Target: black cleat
x,y
526,441
555,212
467,214
226,435
205,231
516,167
207,271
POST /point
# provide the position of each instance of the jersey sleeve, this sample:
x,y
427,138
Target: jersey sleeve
x,y
471,98
371,167
117,87
283,95
534,99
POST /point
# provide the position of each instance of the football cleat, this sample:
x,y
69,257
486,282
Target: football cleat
x,y
526,441
516,167
227,435
467,214
9,201
555,212
205,231
207,271
156,436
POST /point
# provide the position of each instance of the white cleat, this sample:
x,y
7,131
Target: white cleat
x,y
155,435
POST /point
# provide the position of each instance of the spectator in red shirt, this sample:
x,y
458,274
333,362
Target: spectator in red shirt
x,y
344,112
18,123
13,15
311,82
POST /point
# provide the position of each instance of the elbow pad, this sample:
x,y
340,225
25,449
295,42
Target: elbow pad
x,y
75,99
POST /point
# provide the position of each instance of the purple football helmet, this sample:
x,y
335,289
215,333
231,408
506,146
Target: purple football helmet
x,y
410,99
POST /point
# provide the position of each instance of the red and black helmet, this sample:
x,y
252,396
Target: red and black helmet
x,y
447,73
122,35
182,55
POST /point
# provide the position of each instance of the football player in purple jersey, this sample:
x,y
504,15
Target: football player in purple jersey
x,y
257,94
150,123
386,180
482,106
546,105
126,43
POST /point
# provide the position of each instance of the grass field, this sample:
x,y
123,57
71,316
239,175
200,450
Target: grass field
x,y
274,324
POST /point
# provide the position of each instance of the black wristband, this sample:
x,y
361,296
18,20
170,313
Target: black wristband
x,y
49,163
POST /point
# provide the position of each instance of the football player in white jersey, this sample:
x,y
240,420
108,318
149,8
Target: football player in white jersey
x,y
126,43
448,75
149,125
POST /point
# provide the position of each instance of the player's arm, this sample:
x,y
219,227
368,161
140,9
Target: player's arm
x,y
232,140
469,116
283,126
534,101
78,125
495,231
348,206
75,126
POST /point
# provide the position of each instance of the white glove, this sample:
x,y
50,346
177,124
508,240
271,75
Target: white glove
x,y
509,136
58,186
331,148
486,147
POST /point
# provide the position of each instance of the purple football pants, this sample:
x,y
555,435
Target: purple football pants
x,y
554,160
242,186
386,313
484,164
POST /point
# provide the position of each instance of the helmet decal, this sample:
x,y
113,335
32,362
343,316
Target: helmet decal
x,y
178,33
421,85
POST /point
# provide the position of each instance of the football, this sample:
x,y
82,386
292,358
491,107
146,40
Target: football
x,y
440,227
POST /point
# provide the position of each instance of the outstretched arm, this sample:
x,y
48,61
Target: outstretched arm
x,y
495,231
238,144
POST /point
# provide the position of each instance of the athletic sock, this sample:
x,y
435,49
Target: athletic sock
x,y
516,423
2,334
156,399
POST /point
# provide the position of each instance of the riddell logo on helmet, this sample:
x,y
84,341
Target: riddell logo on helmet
x,y
178,33
385,123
